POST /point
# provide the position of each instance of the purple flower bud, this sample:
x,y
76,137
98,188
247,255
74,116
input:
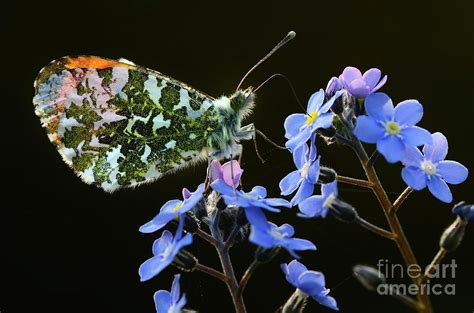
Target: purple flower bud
x,y
226,172
333,85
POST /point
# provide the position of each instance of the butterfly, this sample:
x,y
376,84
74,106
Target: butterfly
x,y
117,124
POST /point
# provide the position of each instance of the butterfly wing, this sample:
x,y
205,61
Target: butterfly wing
x,y
118,124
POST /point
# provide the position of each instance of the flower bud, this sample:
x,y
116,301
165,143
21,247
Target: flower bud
x,y
368,277
326,175
185,261
263,255
343,211
296,303
464,211
453,235
333,86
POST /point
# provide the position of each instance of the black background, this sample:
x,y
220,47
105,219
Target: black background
x,y
69,247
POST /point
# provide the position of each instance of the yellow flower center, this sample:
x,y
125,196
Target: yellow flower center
x,y
312,117
177,207
392,128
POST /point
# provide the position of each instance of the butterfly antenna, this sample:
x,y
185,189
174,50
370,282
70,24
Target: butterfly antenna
x,y
289,84
284,41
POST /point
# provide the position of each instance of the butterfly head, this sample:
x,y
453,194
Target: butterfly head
x,y
242,101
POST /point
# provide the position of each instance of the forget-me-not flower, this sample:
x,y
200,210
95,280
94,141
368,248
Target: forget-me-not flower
x,y
319,205
305,177
269,235
171,209
164,249
311,283
432,170
392,129
170,302
360,86
299,127
257,197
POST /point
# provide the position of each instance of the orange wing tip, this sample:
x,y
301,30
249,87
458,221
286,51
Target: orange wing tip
x,y
91,62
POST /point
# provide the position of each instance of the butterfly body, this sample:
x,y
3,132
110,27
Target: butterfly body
x,y
120,125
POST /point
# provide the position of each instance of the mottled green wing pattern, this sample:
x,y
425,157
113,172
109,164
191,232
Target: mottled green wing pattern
x,y
119,125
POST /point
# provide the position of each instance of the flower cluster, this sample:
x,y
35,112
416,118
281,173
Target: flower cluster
x,y
391,128
350,111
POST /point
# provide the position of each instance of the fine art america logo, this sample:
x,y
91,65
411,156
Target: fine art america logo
x,y
414,272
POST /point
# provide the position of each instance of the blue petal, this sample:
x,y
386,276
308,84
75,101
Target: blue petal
x,y
328,105
300,139
328,189
379,106
368,130
258,191
169,206
438,150
152,267
256,217
304,191
286,230
392,148
312,282
293,124
328,301
158,222
195,197
440,189
299,156
313,172
185,241
413,157
261,238
181,303
221,187
315,101
408,112
162,243
313,151
175,289
416,136
414,177
295,269
162,301
452,172
278,202
323,121
299,244
313,206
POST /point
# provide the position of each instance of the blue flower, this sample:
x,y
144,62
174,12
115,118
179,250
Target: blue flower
x,y
464,211
360,86
171,209
311,283
269,235
170,302
255,198
430,169
392,129
318,206
299,127
164,249
305,177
